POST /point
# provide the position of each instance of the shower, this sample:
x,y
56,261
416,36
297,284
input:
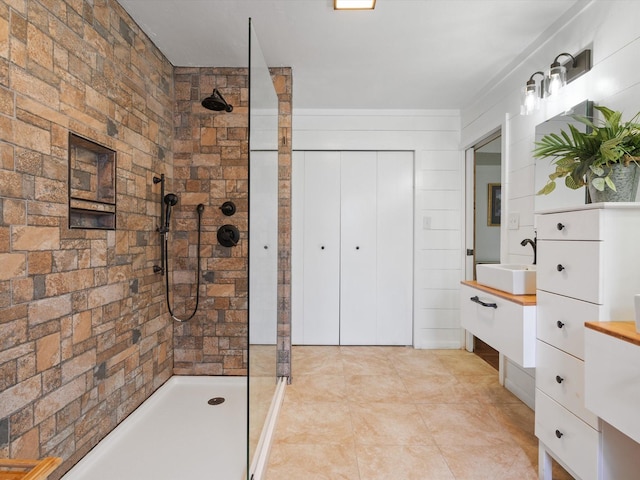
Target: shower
x,y
170,200
216,102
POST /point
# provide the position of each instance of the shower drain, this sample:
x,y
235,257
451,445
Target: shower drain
x,y
216,401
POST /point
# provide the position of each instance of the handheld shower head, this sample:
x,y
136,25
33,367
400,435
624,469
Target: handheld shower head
x,y
216,102
170,200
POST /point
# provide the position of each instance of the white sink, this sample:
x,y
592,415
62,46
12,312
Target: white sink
x,y
510,278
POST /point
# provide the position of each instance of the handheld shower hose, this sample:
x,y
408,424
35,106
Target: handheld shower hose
x,y
170,200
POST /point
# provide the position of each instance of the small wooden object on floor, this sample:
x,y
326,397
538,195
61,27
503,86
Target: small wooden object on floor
x,y
21,469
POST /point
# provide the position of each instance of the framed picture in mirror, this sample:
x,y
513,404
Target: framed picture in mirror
x,y
494,205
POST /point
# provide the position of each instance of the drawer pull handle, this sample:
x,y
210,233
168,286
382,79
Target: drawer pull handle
x,y
322,247
559,379
484,304
559,434
560,226
560,268
559,324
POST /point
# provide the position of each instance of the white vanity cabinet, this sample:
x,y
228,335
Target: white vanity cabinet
x,y
506,322
612,391
587,271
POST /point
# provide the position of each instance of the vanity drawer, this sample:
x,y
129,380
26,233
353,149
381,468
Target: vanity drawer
x,y
577,225
578,444
510,327
561,376
561,321
573,269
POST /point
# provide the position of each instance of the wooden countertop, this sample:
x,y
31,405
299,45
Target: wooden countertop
x,y
19,469
525,300
625,331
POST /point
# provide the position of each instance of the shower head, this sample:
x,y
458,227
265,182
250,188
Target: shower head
x,y
216,102
170,200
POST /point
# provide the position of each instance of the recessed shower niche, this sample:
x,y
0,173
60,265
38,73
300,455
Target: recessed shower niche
x,y
92,184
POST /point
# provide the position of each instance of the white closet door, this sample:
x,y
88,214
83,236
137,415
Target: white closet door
x,y
395,248
297,247
263,248
358,249
321,243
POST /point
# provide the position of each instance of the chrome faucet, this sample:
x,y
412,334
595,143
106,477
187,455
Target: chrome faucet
x,y
534,245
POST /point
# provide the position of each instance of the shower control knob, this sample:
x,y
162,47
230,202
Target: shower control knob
x,y
560,268
228,235
559,379
560,226
559,434
559,324
228,208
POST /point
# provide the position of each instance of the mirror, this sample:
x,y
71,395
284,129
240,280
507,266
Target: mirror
x,y
562,196
263,240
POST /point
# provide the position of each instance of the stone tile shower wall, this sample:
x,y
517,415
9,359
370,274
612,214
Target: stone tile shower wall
x,y
84,337
283,82
210,167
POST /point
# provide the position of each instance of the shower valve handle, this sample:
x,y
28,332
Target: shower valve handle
x,y
228,235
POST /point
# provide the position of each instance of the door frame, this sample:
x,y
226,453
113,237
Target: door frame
x,y
470,208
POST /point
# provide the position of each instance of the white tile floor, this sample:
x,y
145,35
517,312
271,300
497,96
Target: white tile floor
x,y
396,413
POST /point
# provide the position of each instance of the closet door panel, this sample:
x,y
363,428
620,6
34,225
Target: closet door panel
x,y
394,261
297,247
321,276
358,249
263,248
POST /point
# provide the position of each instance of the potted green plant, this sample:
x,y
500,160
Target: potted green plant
x,y
605,157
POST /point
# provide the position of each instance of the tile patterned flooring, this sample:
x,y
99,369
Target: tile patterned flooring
x,y
395,413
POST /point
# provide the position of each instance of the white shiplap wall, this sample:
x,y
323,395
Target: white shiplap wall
x,y
609,28
434,137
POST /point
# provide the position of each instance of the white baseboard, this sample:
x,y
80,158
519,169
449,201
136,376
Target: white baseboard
x,y
520,381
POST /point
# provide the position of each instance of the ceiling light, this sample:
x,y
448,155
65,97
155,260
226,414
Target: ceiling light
x,y
354,4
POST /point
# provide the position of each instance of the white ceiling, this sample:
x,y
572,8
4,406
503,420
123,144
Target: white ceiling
x,y
406,54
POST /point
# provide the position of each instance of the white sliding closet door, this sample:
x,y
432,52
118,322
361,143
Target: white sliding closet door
x,y
394,261
352,248
358,248
321,250
263,248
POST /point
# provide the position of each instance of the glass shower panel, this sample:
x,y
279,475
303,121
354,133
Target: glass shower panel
x,y
263,240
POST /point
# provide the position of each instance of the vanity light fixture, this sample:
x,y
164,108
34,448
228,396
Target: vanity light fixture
x,y
354,4
531,95
560,74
